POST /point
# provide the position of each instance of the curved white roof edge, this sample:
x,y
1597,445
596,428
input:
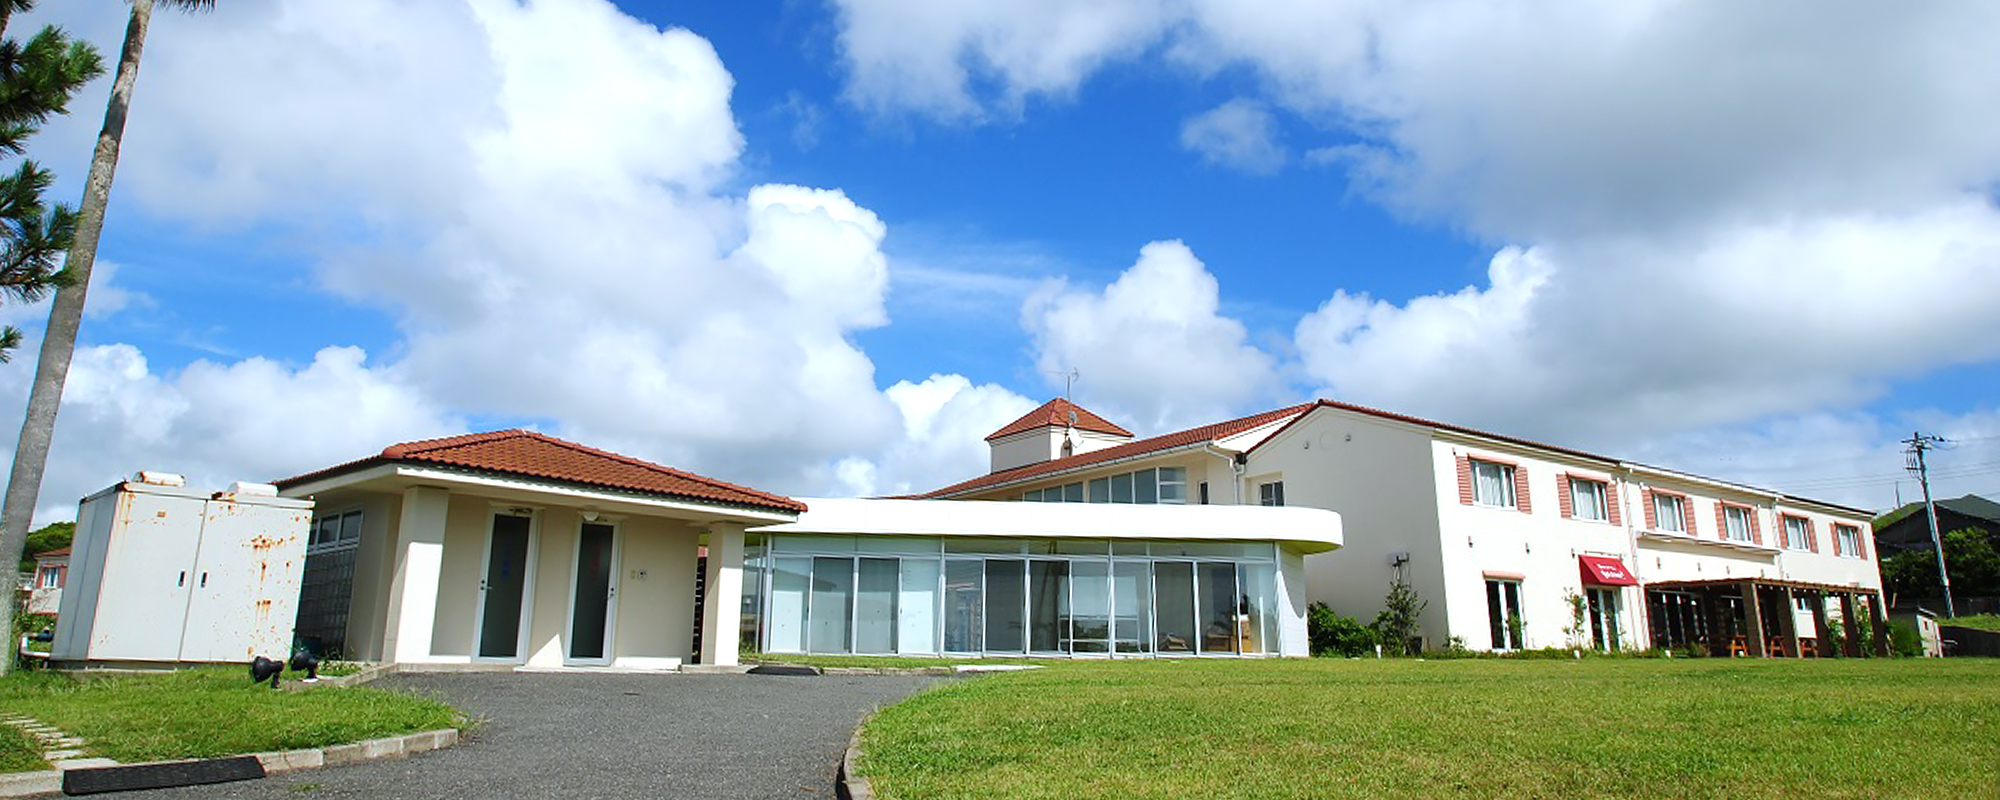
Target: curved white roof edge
x,y
1312,530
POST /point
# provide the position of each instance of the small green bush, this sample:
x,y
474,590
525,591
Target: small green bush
x,y
1904,639
1331,634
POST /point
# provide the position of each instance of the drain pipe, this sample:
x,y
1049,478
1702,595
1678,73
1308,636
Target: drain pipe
x,y
1236,470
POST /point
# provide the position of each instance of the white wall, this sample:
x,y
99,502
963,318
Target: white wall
x,y
1374,473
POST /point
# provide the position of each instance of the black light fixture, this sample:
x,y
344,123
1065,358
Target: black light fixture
x,y
304,660
263,669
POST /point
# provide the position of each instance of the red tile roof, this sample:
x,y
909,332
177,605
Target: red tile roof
x,y
535,455
1191,436
1060,412
60,552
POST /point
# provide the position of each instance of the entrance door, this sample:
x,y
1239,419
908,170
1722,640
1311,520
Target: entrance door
x,y
593,594
1604,633
502,587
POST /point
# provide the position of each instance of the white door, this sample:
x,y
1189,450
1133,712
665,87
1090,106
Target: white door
x,y
593,595
502,626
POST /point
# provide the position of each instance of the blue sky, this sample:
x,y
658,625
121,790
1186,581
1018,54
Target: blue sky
x,y
823,247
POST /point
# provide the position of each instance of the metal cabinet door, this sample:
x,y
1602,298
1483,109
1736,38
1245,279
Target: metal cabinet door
x,y
148,563
244,591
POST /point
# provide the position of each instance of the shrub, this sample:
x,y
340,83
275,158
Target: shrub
x,y
1396,626
1904,639
1334,635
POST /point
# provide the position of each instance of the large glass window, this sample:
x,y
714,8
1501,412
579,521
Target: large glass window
x,y
1048,605
1006,596
1173,606
791,583
1223,623
831,605
1603,607
1492,484
1586,499
1847,541
917,620
1000,595
1089,607
875,605
1132,607
964,606
1503,613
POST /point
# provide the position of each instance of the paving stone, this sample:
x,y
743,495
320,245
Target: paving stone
x,y
57,755
21,784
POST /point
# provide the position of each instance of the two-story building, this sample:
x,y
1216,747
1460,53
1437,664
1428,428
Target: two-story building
x,y
1515,544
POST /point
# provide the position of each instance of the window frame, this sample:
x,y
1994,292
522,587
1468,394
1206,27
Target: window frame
x,y
1805,532
1271,493
1679,517
1731,513
1602,508
1847,540
1509,491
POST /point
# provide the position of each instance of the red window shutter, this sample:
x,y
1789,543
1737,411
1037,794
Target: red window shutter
x,y
1838,548
1565,504
1812,536
1521,489
1464,480
1721,520
1861,541
1687,513
1756,531
1652,514
1611,502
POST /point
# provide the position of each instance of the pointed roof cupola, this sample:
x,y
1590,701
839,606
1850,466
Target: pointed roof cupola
x,y
1058,429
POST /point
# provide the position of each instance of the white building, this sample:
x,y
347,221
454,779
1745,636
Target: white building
x,y
1514,544
515,549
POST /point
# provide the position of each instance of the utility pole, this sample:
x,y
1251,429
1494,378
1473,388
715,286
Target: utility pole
x,y
1918,443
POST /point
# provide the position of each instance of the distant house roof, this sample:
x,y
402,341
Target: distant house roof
x,y
535,455
1178,439
1908,528
1060,413
60,552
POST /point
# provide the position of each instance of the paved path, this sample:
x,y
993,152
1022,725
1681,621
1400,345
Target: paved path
x,y
612,736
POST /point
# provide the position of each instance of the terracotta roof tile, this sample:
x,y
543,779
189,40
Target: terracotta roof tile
x,y
1191,436
60,552
535,455
1057,413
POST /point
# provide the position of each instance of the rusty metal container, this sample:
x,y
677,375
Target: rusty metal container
x,y
162,573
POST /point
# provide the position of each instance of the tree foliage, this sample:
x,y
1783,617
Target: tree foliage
x,y
52,536
1402,614
1971,554
37,80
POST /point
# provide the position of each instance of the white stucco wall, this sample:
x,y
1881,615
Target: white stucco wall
x,y
1374,473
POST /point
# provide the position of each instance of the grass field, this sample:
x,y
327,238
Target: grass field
x,y
210,712
18,752
1695,728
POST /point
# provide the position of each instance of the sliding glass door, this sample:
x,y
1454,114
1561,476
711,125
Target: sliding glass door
x,y
1173,607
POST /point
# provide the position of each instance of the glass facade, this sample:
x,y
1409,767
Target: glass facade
x,y
889,595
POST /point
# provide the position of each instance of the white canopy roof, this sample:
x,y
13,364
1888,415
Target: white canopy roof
x,y
1312,530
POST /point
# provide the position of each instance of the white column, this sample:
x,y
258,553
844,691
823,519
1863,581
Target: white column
x,y
413,588
722,613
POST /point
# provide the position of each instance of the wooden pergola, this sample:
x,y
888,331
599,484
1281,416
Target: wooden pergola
x,y
1785,641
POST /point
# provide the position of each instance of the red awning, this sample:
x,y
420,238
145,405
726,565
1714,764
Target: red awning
x,y
1604,571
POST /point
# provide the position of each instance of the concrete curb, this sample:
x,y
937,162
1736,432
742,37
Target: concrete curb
x,y
23,784
849,785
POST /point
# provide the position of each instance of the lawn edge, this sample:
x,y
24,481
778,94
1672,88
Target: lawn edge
x,y
849,784
26,784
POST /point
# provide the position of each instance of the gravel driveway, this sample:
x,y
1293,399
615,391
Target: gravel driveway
x,y
612,736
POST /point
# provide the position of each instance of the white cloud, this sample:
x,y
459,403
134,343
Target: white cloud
x,y
542,196
1706,213
1153,347
253,420
1239,134
945,422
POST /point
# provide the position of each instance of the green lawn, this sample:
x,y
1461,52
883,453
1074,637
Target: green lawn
x,y
205,713
1693,728
1984,622
18,752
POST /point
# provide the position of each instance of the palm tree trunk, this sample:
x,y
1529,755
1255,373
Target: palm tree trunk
x,y
31,451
